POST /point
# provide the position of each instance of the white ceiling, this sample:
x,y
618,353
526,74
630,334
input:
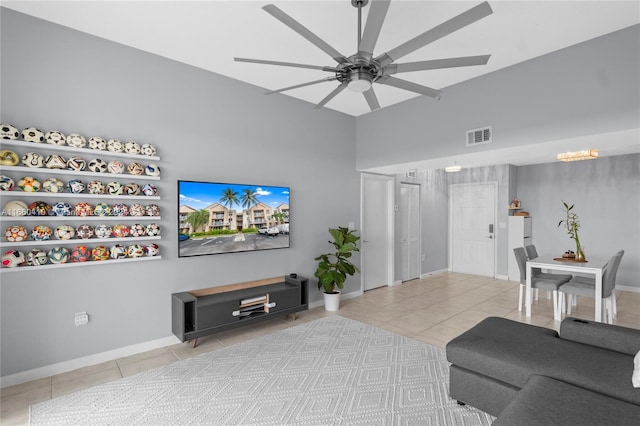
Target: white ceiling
x,y
208,34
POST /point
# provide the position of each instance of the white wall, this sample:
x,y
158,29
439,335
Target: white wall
x,y
206,127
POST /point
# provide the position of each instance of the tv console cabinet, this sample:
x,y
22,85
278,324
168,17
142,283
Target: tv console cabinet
x,y
206,311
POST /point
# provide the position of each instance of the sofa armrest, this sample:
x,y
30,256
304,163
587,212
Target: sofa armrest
x,y
606,336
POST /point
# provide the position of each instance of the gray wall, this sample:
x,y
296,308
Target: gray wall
x,y
206,127
587,89
607,200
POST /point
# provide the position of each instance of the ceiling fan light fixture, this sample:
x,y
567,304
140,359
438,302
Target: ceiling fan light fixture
x,y
587,154
359,81
452,169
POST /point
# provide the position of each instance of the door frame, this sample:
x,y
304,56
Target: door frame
x,y
389,241
494,184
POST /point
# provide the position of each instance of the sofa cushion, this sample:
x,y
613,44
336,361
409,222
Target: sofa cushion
x,y
612,337
546,401
512,352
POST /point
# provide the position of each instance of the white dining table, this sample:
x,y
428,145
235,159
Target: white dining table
x,y
593,266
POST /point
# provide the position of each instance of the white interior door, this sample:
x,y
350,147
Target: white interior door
x,y
376,257
410,231
472,213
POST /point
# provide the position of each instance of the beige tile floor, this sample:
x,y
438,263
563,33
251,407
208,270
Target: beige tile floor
x,y
433,310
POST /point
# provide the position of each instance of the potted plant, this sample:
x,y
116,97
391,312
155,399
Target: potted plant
x,y
334,267
572,222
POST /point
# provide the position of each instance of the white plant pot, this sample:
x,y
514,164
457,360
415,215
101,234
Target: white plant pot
x,y
332,301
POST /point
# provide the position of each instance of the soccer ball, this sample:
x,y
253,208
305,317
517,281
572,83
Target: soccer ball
x,y
135,168
136,210
153,229
6,183
118,251
80,254
100,253
9,158
102,231
60,208
64,232
55,161
53,185
137,230
115,145
149,190
96,142
148,149
76,140
41,232
15,234
95,187
84,231
115,166
132,147
121,230
55,137
132,189
102,209
12,258
8,131
58,255
39,208
76,186
83,209
151,250
33,159
114,188
120,209
31,134
98,165
152,210
76,163
152,170
29,184
36,257
135,250
16,208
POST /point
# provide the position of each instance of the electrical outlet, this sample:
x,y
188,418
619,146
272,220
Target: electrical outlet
x,y
81,318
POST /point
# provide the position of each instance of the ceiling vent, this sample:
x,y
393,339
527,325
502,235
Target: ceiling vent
x,y
479,136
411,173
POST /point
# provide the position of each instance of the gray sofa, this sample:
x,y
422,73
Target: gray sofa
x,y
529,375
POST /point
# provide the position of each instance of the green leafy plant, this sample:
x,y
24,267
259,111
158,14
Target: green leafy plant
x,y
334,267
572,223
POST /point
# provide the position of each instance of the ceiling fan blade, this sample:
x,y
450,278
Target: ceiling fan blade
x,y
331,95
372,100
304,32
302,85
375,18
470,16
434,64
286,64
408,85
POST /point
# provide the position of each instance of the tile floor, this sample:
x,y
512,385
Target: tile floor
x,y
433,310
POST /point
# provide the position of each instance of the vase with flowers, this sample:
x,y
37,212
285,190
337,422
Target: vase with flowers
x,y
572,223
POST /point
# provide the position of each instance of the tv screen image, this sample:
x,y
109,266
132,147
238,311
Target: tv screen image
x,y
215,217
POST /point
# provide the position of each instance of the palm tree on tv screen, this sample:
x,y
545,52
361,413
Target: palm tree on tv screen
x,y
229,198
249,198
198,219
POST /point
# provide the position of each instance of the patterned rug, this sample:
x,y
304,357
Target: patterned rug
x,y
330,371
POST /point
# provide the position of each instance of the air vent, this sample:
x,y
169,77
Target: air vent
x,y
411,173
479,136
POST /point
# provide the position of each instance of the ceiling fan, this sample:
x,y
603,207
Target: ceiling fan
x,y
359,71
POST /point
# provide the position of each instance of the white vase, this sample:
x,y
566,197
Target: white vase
x,y
332,301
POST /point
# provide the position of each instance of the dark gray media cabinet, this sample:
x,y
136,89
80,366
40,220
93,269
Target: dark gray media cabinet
x,y
202,312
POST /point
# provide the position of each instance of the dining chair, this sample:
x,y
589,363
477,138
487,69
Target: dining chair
x,y
537,282
532,253
585,286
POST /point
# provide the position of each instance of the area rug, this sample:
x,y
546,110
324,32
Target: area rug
x,y
330,371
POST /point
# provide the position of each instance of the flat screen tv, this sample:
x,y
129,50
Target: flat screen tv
x,y
216,218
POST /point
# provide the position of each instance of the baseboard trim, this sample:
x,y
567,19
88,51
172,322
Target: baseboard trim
x,y
437,272
74,364
502,277
345,296
629,288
